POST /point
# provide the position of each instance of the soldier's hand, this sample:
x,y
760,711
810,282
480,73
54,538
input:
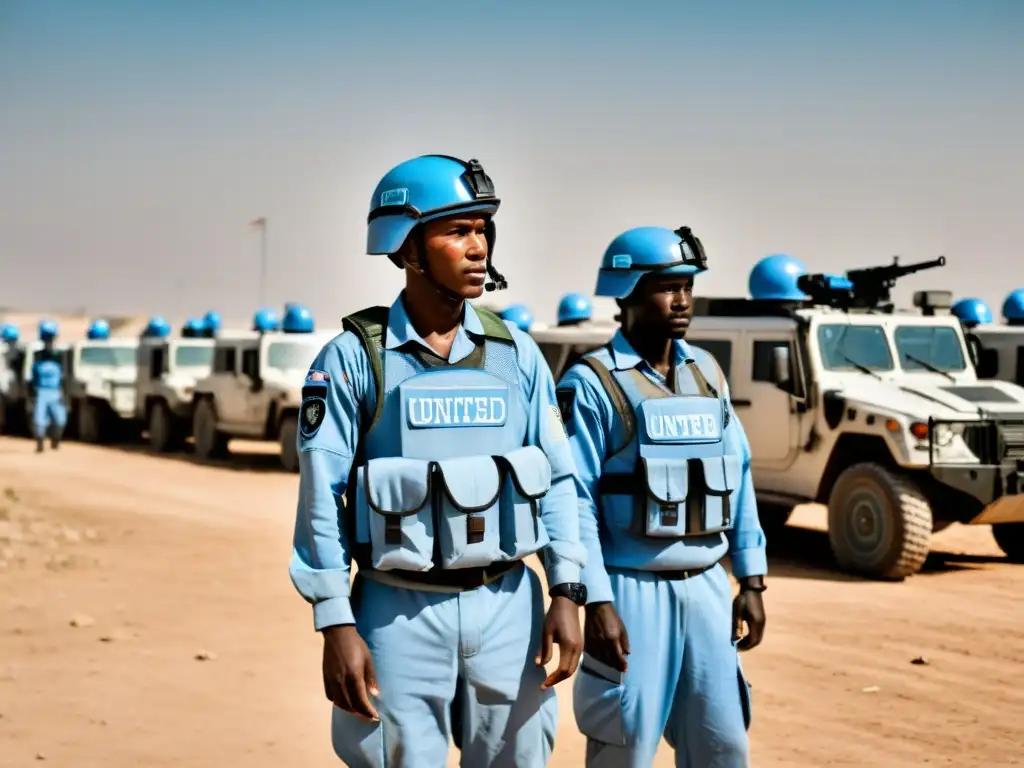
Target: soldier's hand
x,y
604,636
349,677
748,607
561,627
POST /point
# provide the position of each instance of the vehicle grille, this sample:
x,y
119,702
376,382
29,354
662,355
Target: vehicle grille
x,y
995,443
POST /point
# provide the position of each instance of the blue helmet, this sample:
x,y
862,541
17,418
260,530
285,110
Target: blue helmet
x,y
972,312
9,333
193,327
648,251
265,319
573,308
211,321
1013,307
297,319
47,329
157,328
774,277
426,188
519,315
98,330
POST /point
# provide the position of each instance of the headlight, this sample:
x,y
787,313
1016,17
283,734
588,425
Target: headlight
x,y
942,433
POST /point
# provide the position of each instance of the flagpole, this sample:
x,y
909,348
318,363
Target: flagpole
x,y
263,263
261,223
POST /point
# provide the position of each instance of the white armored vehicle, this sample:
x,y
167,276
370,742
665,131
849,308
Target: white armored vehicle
x,y
168,369
255,388
878,414
11,354
999,347
101,380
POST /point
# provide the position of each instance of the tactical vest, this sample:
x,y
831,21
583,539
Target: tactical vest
x,y
443,480
672,460
47,373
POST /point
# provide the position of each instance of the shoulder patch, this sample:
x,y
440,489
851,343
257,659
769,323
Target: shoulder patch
x,y
566,401
311,415
316,385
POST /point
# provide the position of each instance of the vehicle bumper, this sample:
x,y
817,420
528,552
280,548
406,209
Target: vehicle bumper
x,y
997,481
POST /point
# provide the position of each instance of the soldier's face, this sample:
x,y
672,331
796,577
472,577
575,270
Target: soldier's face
x,y
456,253
663,305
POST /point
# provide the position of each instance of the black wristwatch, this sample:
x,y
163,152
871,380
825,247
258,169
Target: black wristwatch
x,y
573,590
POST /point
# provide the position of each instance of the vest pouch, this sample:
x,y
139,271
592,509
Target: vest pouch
x,y
527,480
722,475
468,512
661,512
393,507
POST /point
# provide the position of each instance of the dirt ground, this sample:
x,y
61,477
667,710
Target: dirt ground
x,y
147,620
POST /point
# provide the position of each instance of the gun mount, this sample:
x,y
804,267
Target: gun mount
x,y
867,288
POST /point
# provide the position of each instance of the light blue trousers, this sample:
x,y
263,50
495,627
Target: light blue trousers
x,y
457,665
683,680
48,413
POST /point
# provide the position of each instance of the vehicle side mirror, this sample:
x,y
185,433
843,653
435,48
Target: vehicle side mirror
x,y
780,367
987,366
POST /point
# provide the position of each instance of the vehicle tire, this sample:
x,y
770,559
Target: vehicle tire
x,y
879,523
209,441
1010,538
3,416
288,435
88,421
163,431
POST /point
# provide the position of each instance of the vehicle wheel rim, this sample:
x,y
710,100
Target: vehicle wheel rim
x,y
866,524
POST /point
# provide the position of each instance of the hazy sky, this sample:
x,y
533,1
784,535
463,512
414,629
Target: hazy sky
x,y
138,139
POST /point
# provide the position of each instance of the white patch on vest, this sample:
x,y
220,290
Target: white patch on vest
x,y
457,411
556,428
683,427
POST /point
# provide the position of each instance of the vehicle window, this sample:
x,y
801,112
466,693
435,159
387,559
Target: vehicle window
x,y
721,350
157,359
844,347
291,356
761,369
188,356
921,346
108,356
251,363
224,359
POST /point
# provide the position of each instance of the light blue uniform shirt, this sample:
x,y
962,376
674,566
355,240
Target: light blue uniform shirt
x,y
320,558
592,412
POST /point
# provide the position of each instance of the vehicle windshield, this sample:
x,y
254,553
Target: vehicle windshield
x,y
193,356
847,347
107,356
290,355
921,346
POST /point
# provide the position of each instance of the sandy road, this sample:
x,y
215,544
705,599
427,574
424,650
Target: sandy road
x,y
166,560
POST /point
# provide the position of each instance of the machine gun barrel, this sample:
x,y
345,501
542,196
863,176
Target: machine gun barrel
x,y
871,285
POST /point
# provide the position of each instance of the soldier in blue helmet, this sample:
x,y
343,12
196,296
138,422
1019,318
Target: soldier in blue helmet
x,y
1013,308
665,493
519,315
573,309
972,312
437,422
774,277
211,324
49,414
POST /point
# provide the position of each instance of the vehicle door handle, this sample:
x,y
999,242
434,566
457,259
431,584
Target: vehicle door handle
x,y
740,403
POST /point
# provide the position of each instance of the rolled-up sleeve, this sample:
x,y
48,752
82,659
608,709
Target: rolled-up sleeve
x,y
565,556
746,538
587,412
320,562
